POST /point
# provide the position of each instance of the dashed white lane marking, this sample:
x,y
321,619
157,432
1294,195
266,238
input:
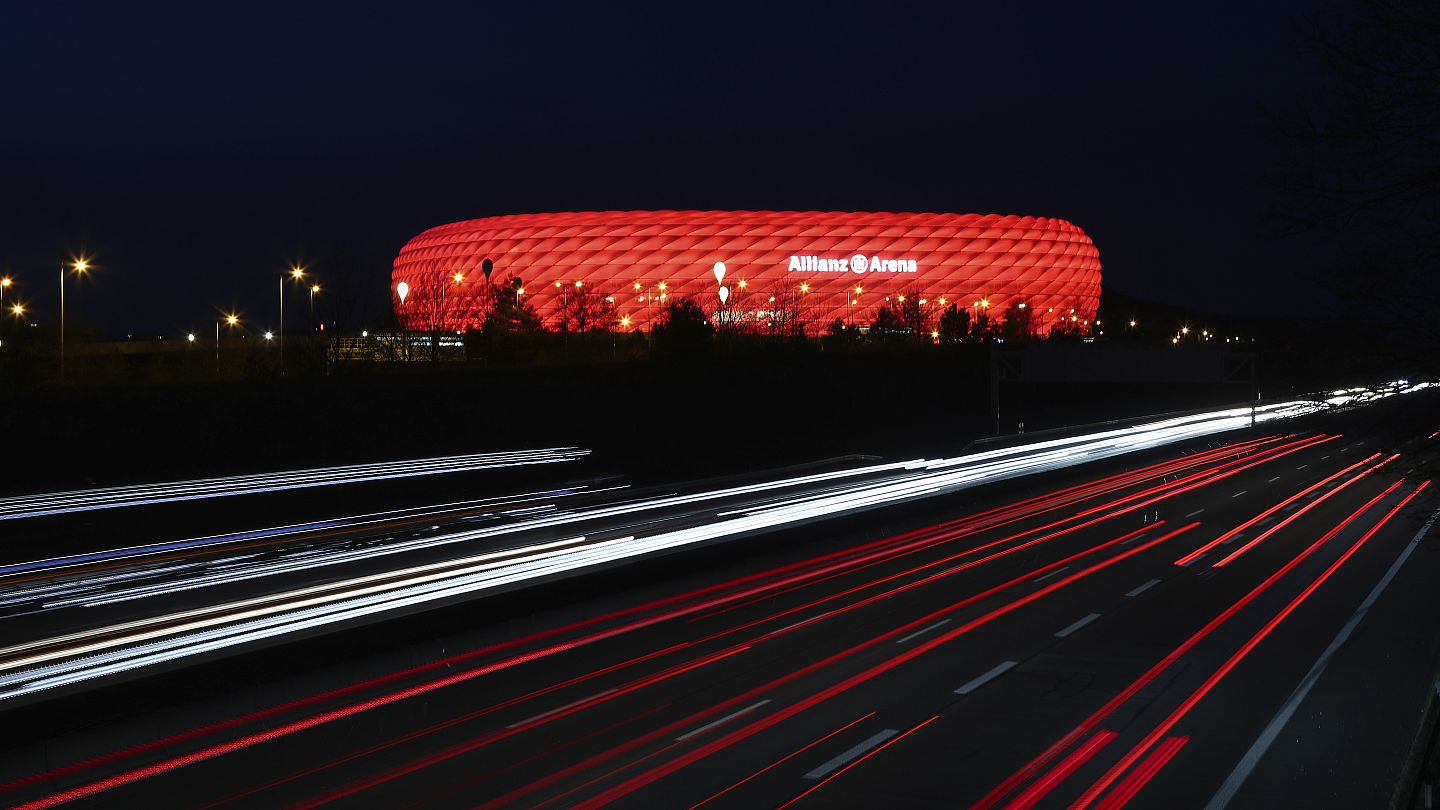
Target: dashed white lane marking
x,y
1062,569
1227,541
1302,466
1322,458
1267,737
1189,563
802,621
1241,492
822,771
543,715
1143,588
1196,512
922,631
1273,480
712,724
1003,668
1077,625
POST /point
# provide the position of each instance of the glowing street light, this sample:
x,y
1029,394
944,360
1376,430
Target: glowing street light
x,y
190,337
80,266
804,287
270,336
297,273
4,285
625,321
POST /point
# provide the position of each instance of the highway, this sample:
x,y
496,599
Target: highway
x,y
1222,618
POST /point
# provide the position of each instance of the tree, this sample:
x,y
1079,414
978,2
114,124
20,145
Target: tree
x,y
683,330
887,322
584,308
510,312
1364,165
954,325
983,329
1017,326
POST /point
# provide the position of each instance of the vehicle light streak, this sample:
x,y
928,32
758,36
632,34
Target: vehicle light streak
x,y
832,777
1197,553
125,647
1002,790
1139,777
86,500
641,780
780,761
1297,513
1219,674
1042,786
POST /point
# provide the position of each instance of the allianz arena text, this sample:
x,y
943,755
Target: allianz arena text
x,y
836,265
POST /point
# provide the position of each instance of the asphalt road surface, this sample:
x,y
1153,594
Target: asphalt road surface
x,y
1244,620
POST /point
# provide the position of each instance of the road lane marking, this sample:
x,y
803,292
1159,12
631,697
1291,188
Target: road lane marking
x,y
922,631
816,617
1241,492
1196,512
874,740
557,709
1322,458
1273,480
1077,625
1003,668
1266,522
1143,588
727,718
1044,577
1302,466
1267,737
1189,563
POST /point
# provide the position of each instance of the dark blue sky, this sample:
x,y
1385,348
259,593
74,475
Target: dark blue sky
x,y
196,149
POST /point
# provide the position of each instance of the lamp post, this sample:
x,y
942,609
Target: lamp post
x,y
80,266
314,288
296,273
230,321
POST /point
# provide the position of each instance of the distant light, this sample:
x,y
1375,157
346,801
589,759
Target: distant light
x,y
804,287
364,333
719,272
934,334
661,286
637,286
269,335
1132,323
859,289
1184,330
18,309
231,320
923,302
579,284
902,299
6,281
297,272
81,265
1022,306
741,284
457,278
190,337
942,300
625,321
402,289
314,289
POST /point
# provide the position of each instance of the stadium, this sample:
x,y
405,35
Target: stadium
x,y
738,264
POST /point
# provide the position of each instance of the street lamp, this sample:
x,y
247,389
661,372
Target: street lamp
x,y
314,288
80,266
297,273
4,285
230,321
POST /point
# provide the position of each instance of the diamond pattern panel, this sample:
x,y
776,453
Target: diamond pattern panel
x,y
1050,264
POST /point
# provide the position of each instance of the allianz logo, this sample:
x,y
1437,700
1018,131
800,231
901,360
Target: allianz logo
x,y
859,263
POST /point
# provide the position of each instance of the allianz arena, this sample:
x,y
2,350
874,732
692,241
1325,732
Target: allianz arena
x,y
847,265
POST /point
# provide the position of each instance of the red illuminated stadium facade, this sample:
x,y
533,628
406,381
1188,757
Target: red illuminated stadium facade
x,y
844,265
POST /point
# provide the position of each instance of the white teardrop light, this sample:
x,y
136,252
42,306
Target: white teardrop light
x,y
402,289
719,272
724,294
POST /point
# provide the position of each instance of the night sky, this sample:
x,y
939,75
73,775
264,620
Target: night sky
x,y
197,150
